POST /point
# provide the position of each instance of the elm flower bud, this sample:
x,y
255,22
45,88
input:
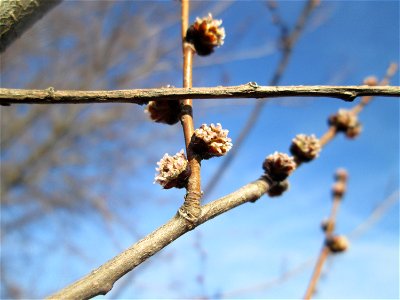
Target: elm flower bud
x,y
305,147
205,34
353,132
337,243
278,188
163,111
279,166
338,189
210,141
173,171
343,120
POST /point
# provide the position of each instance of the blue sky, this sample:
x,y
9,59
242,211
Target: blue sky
x,y
344,42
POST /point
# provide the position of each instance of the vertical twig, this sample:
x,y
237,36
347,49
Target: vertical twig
x,y
330,225
190,209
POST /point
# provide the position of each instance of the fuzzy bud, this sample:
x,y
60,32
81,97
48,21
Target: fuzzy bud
x,y
173,171
278,188
338,189
163,111
305,147
343,120
205,34
353,132
337,243
279,166
209,141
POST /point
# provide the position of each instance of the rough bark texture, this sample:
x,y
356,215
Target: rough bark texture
x,y
101,280
16,16
142,96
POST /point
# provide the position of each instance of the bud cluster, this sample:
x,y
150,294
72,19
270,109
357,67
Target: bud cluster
x,y
305,147
209,141
163,111
173,171
347,122
337,243
279,166
205,34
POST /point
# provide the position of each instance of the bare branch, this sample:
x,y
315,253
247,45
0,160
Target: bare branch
x,y
18,16
101,280
142,96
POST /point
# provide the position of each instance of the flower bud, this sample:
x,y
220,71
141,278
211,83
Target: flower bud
x,y
210,141
338,189
337,243
205,34
353,132
343,120
305,148
279,166
173,171
163,111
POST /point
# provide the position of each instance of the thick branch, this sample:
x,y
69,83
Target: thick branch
x,y
142,96
101,280
16,16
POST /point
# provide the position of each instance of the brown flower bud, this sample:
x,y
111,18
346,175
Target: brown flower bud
x,y
305,147
337,243
163,111
210,141
278,188
279,166
353,132
173,171
343,120
338,189
205,34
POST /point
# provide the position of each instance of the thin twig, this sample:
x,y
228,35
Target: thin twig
x,y
143,96
337,199
190,210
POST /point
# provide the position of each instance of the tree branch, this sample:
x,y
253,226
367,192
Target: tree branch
x,y
142,96
101,280
17,16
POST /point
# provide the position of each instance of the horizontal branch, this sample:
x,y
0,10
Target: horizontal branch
x,y
142,96
101,280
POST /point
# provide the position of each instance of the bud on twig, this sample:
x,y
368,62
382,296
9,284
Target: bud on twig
x,y
305,147
205,34
279,166
173,171
163,111
337,243
346,121
210,141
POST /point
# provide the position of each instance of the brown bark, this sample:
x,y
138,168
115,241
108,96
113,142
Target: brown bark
x,y
142,96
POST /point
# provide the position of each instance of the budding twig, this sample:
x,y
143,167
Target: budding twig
x,y
190,209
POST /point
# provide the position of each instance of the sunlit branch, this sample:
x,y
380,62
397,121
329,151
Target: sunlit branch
x,y
142,96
